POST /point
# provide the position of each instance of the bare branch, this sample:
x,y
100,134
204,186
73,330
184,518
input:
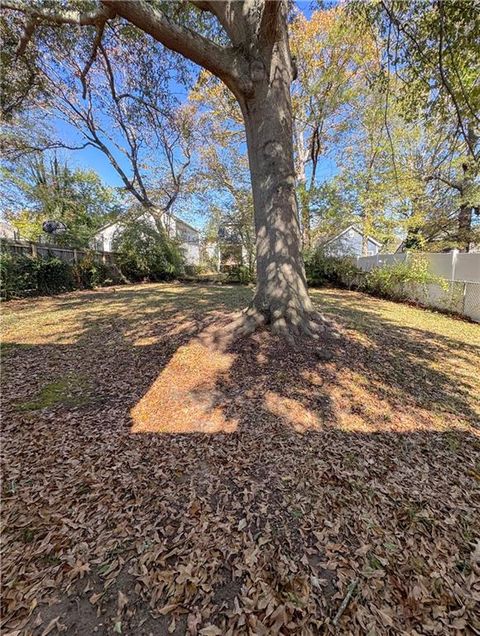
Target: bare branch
x,y
96,43
27,36
131,140
14,152
59,17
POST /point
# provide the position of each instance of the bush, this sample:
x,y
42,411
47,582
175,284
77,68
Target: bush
x,y
18,275
396,281
53,276
321,269
238,274
23,275
145,253
90,273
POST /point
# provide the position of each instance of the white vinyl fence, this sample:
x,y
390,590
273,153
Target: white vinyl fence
x,y
460,270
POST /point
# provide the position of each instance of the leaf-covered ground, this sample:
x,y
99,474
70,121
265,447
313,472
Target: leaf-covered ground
x,y
154,486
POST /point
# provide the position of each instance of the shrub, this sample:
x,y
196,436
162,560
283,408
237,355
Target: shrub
x,y
90,273
245,275
321,269
145,253
204,267
23,275
238,274
18,275
53,276
396,281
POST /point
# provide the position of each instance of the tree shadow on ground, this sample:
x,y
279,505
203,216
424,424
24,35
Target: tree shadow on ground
x,y
349,459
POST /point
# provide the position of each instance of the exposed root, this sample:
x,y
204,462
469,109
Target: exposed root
x,y
294,323
289,324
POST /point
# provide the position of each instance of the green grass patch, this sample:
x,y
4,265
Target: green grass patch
x,y
72,390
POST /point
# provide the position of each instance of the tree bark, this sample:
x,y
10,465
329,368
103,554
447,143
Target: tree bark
x,y
464,227
281,297
303,192
465,214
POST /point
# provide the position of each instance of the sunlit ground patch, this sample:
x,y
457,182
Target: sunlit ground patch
x,y
292,412
183,399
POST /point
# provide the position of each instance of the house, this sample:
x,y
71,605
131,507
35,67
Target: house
x,y
232,249
187,235
7,231
349,242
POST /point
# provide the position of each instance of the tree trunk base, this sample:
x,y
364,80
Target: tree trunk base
x,y
290,325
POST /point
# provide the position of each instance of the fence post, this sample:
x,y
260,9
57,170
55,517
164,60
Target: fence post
x,y
104,258
34,249
454,262
454,253
75,255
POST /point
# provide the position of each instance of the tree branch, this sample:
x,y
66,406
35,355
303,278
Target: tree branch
x,y
223,62
96,43
229,14
27,36
447,84
59,17
456,185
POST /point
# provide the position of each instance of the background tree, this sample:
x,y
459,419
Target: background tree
x,y
223,171
145,252
39,188
123,109
432,50
335,60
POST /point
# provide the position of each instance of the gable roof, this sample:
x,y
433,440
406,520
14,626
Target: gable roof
x,y
347,229
122,221
191,227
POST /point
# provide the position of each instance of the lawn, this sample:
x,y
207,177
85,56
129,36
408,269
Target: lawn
x,y
153,485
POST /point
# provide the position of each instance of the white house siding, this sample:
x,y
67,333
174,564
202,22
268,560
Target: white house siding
x,y
8,232
189,240
350,243
104,239
189,237
192,253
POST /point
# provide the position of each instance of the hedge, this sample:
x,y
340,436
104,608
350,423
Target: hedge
x,y
22,275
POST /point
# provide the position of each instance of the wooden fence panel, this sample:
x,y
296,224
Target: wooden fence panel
x,y
66,254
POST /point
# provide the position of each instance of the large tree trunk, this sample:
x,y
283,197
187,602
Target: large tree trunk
x,y
281,296
464,227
